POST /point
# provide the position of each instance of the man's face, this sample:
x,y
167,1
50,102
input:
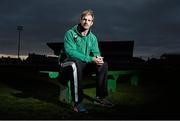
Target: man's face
x,y
86,22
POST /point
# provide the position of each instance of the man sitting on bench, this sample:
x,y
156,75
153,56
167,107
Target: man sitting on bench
x,y
79,42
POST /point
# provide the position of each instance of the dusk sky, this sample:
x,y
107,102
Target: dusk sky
x,y
154,25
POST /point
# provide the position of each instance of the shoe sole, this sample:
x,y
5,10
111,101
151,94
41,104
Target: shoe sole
x,y
103,105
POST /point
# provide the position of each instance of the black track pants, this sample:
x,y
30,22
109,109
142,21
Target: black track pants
x,y
75,70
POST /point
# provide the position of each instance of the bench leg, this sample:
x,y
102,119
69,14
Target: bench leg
x,y
65,93
134,80
111,85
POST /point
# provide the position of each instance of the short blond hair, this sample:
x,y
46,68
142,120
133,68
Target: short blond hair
x,y
87,12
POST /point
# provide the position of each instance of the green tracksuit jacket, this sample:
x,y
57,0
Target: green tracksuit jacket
x,y
78,46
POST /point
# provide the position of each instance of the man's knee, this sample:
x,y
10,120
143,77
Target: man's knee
x,y
105,65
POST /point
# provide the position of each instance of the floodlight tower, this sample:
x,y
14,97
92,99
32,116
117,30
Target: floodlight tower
x,y
19,28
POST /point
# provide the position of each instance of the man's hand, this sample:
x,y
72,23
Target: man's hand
x,y
98,60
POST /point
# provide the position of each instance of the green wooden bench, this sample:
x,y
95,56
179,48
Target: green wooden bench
x,y
134,75
65,92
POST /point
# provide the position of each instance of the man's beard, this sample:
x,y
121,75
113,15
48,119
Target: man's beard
x,y
83,28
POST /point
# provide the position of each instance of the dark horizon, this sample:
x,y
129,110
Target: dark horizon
x,y
153,25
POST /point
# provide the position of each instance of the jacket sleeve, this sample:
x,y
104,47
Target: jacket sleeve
x,y
95,48
70,48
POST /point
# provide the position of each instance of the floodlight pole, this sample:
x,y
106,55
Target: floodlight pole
x,y
19,28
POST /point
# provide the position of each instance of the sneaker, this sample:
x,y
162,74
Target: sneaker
x,y
79,108
103,102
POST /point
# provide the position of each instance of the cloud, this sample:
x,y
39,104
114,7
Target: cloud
x,y
154,25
